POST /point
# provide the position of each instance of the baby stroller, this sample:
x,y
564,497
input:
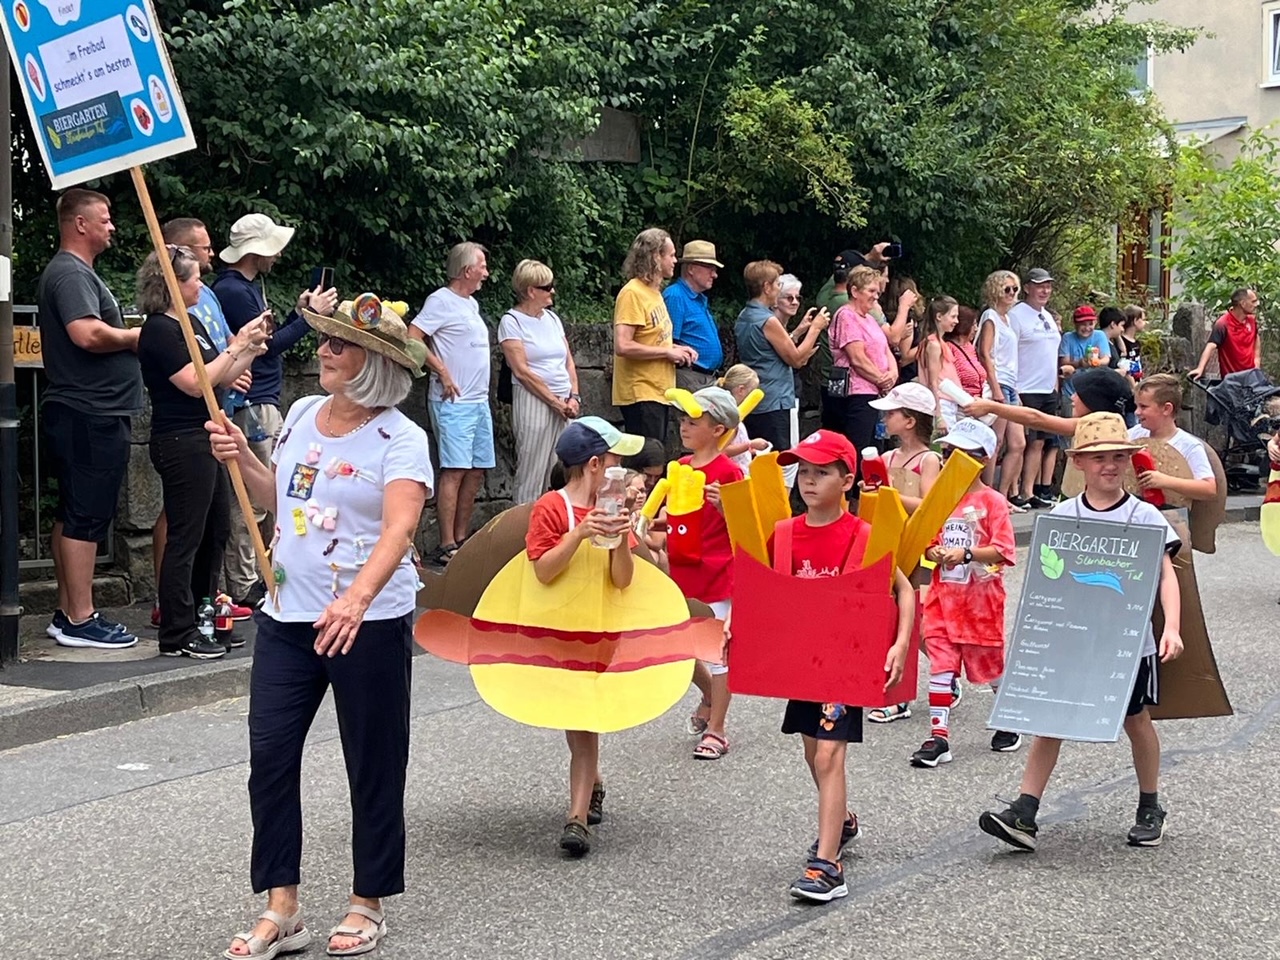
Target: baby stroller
x,y
1245,404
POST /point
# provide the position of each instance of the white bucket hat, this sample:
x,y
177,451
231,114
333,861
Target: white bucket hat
x,y
256,233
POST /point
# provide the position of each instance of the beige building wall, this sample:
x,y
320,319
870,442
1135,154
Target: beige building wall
x,y
1227,79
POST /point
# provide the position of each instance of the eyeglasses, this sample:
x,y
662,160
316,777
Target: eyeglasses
x,y
1010,289
546,287
336,344
790,297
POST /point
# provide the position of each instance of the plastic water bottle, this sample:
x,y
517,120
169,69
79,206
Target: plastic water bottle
x,y
222,622
972,515
204,620
254,431
610,500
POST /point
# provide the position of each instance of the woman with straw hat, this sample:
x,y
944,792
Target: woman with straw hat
x,y
349,479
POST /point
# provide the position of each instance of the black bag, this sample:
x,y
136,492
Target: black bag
x,y
505,393
837,384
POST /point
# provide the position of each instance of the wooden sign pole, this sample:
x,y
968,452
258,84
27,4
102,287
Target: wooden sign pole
x,y
202,375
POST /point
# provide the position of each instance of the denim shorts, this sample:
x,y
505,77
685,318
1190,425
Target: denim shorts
x,y
464,434
1010,394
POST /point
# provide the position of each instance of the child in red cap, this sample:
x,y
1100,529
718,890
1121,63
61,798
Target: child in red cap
x,y
821,543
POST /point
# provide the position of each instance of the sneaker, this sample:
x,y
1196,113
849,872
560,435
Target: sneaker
x,y
1038,502
96,632
576,839
1148,830
1010,826
932,752
957,692
197,648
238,612
155,615
595,811
822,881
1021,504
850,831
231,640
54,629
1002,741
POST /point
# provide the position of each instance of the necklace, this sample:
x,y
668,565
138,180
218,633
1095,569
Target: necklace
x,y
328,419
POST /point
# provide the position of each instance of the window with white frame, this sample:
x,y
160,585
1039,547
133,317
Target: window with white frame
x,y
1271,43
1142,70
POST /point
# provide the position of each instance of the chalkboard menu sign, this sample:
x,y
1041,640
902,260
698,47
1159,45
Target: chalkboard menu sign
x,y
1086,602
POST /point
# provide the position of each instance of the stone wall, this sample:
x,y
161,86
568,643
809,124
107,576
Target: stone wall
x,y
140,500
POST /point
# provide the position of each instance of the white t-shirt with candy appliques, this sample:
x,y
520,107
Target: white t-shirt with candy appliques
x,y
339,482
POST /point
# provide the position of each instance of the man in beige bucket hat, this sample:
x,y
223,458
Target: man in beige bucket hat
x,y
691,322
256,244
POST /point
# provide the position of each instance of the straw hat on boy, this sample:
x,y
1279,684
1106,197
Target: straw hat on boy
x,y
1102,433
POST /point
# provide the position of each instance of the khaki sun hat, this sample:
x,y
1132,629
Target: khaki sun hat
x,y
385,333
1102,433
700,251
255,233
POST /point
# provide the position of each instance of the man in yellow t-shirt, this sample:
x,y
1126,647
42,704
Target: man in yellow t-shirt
x,y
645,359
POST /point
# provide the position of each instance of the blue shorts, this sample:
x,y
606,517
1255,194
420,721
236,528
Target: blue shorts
x,y
464,434
1010,394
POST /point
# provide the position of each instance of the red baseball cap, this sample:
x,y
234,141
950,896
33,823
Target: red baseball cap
x,y
822,447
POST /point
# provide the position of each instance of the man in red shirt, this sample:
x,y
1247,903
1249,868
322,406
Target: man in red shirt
x,y
1234,337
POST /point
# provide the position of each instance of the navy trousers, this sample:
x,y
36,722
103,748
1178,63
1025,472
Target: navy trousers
x,y
371,696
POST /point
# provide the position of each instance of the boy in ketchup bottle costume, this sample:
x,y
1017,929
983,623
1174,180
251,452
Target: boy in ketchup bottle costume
x,y
1159,400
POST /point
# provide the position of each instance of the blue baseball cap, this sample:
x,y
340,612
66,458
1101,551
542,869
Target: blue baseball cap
x,y
589,437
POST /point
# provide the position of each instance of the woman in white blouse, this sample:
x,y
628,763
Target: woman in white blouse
x,y
544,380
998,348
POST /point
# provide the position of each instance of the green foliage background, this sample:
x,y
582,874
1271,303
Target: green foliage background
x,y
979,133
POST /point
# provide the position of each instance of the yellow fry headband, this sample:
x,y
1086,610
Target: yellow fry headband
x,y
689,404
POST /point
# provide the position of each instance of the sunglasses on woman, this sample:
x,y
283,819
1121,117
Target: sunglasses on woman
x,y
1010,289
546,287
336,344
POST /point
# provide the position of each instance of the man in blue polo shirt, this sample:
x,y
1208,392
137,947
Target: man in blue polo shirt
x,y
691,322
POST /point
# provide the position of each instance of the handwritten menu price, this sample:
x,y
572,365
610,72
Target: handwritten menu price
x,y
1086,602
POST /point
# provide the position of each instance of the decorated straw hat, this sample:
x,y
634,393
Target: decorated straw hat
x,y
368,322
1102,433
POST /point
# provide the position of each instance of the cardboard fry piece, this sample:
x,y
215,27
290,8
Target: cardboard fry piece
x,y
887,530
576,654
867,502
1190,686
839,657
746,533
773,500
939,503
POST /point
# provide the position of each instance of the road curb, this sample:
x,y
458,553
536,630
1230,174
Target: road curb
x,y
121,701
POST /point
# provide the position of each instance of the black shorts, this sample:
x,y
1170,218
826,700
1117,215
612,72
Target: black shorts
x,y
1146,689
646,418
1049,403
823,721
88,456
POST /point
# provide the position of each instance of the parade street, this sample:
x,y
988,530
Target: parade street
x,y
133,842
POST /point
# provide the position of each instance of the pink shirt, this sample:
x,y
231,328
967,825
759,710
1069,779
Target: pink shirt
x,y
849,326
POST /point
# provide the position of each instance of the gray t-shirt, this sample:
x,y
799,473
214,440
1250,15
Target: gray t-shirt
x,y
102,384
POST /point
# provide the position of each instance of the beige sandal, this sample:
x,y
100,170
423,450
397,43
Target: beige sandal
x,y
291,936
368,938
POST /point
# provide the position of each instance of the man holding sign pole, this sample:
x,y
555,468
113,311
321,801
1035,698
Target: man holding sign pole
x,y
1101,451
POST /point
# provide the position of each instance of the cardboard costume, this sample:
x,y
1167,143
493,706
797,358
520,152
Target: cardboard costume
x,y
575,654
826,639
1190,686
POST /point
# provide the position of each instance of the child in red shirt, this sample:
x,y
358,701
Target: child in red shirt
x,y
963,623
821,543
560,523
704,570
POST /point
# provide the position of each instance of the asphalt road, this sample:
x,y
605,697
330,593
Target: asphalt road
x,y
133,842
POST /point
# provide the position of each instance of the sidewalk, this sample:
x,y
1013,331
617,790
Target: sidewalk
x,y
55,691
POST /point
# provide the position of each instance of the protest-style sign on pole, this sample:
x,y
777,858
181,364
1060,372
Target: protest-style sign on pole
x,y
102,98
1087,597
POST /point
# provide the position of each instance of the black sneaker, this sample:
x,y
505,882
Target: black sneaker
x,y
850,831
95,632
1010,826
1148,830
595,811
576,839
1002,741
1040,502
822,881
932,752
197,648
957,692
1022,503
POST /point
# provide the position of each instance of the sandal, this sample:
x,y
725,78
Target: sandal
x,y
897,711
698,725
368,938
710,747
297,938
